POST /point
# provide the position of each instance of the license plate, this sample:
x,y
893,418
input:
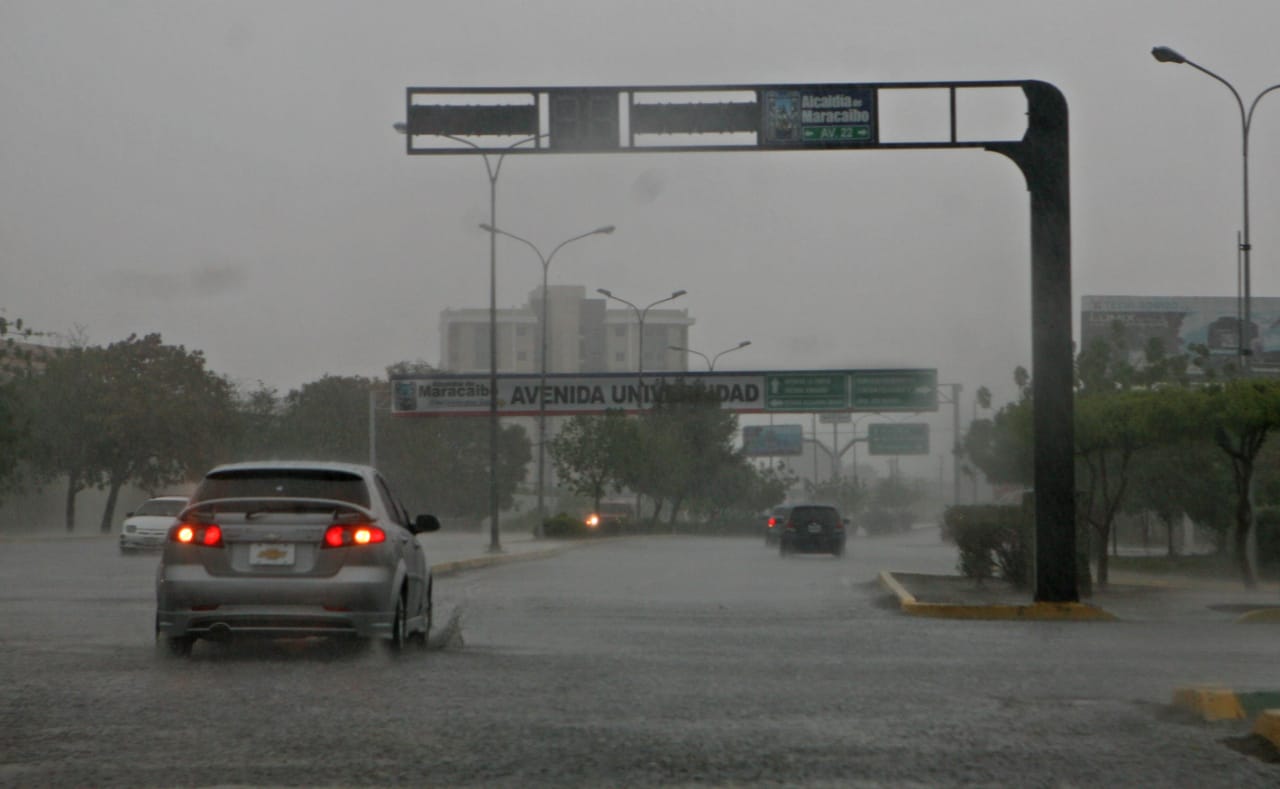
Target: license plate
x,y
271,554
815,528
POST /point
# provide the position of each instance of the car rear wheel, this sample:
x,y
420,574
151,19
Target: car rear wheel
x,y
399,629
420,638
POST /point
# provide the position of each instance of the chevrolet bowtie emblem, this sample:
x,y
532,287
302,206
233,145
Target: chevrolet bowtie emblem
x,y
272,553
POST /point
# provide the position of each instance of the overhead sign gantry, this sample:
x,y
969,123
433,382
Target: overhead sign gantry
x,y
756,392
807,117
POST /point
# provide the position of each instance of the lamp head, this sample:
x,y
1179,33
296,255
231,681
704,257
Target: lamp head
x,y
678,293
604,231
604,292
488,228
744,343
1167,55
403,128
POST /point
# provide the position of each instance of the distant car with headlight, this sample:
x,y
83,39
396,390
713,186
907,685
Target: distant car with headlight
x,y
294,549
147,527
611,518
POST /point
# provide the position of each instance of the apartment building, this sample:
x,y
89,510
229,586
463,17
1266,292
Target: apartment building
x,y
585,335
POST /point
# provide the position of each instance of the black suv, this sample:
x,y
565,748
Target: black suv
x,y
813,528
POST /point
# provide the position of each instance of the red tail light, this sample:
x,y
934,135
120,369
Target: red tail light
x,y
207,534
773,522
340,535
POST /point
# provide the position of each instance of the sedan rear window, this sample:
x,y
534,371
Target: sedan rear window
x,y
827,516
284,483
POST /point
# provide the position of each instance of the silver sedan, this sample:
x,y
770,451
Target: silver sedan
x,y
294,549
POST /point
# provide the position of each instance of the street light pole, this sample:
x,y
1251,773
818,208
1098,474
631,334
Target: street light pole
x,y
711,361
542,383
1245,328
640,316
493,170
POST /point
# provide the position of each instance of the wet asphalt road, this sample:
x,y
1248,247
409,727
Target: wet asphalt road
x,y
647,662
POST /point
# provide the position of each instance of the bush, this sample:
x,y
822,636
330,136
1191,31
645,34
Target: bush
x,y
991,538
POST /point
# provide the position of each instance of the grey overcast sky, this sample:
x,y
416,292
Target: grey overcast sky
x,y
226,174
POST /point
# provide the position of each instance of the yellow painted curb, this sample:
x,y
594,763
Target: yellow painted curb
x,y
1268,725
1263,616
1209,703
448,568
1041,612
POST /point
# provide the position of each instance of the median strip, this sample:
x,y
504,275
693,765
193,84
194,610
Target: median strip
x,y
462,565
1217,703
1043,612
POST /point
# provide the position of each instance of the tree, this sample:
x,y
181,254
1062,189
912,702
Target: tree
x,y
1110,429
438,464
327,419
1120,410
1001,447
1241,413
1185,476
848,495
11,434
589,453
163,417
742,488
258,416
685,439
66,406
17,362
136,411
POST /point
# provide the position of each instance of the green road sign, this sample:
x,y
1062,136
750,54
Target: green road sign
x,y
806,391
900,438
894,390
837,134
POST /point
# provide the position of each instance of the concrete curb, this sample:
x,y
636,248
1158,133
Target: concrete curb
x,y
1263,616
475,563
1216,703
1268,726
1209,703
1040,612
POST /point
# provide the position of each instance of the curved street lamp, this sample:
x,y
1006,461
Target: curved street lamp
x,y
542,383
711,361
1169,55
640,316
493,170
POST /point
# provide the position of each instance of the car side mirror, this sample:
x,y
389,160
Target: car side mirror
x,y
426,523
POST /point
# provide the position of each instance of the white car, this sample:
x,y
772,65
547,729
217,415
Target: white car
x,y
148,526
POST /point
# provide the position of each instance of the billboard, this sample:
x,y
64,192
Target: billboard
x,y
567,394
1181,323
772,440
